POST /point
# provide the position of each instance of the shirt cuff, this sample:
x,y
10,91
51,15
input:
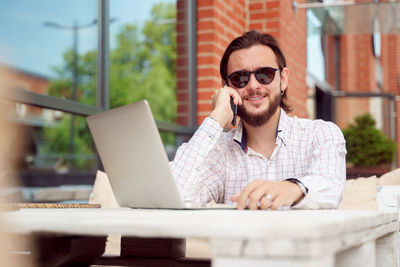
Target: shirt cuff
x,y
207,134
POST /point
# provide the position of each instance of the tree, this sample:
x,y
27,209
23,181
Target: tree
x,y
142,67
366,145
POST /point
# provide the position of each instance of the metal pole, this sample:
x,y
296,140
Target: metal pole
x,y
103,62
191,34
75,81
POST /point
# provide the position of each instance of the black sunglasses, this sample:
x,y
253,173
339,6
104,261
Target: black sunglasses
x,y
239,79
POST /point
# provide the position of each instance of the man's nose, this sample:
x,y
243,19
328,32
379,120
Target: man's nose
x,y
253,84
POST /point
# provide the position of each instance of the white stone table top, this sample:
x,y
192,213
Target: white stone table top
x,y
245,224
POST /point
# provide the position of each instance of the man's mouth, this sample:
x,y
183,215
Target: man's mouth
x,y
256,98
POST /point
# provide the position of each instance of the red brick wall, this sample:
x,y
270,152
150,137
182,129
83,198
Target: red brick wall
x,y
182,86
330,53
14,78
220,21
292,33
357,74
390,61
23,80
357,64
279,19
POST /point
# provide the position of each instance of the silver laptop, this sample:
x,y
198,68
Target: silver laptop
x,y
133,155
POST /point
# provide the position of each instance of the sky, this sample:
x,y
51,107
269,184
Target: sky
x,y
26,43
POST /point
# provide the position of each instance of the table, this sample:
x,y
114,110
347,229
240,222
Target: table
x,y
238,238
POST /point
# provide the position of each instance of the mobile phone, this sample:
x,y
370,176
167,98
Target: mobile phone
x,y
234,110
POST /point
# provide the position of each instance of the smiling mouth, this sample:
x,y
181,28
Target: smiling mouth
x,y
255,98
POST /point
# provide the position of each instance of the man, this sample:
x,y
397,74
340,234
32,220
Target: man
x,y
271,160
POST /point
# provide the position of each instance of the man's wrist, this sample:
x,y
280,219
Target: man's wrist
x,y
219,117
302,187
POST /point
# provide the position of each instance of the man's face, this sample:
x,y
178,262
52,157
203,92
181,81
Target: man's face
x,y
260,101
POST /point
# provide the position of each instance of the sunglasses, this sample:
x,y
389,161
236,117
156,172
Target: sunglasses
x,y
241,78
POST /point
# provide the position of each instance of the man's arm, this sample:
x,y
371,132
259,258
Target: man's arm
x,y
198,165
327,175
324,183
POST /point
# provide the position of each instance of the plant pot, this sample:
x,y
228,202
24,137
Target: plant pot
x,y
366,171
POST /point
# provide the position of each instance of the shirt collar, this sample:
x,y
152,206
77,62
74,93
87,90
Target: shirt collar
x,y
282,131
240,136
283,127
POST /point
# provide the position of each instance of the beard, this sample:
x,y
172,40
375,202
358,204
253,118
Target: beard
x,y
259,119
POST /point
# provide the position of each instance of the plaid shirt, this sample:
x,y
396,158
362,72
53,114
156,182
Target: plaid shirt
x,y
215,165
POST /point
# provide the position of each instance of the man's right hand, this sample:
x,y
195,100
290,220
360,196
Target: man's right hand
x,y
222,111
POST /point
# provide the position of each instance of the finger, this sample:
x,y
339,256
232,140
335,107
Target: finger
x,y
265,203
213,100
237,99
235,198
277,203
244,195
256,196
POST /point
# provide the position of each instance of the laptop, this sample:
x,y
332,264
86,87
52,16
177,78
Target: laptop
x,y
133,156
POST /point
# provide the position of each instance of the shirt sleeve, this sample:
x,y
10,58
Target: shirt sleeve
x,y
327,175
198,165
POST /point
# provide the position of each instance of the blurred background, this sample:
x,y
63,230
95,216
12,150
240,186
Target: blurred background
x,y
61,61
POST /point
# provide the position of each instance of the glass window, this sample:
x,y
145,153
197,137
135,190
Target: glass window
x,y
143,57
315,58
51,147
50,47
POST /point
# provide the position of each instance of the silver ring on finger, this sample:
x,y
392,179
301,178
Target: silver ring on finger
x,y
268,196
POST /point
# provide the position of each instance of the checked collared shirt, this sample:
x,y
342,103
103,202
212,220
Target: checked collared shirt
x,y
214,165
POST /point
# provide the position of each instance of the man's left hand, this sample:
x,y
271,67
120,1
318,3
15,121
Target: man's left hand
x,y
268,195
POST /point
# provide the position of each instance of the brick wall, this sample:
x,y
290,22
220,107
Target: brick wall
x,y
292,37
220,21
390,61
182,86
279,19
13,78
331,54
357,74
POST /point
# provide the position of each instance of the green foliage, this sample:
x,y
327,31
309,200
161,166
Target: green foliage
x,y
142,67
57,142
366,145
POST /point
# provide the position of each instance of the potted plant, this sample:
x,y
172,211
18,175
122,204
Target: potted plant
x,y
369,150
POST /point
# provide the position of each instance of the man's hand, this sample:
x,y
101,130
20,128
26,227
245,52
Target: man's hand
x,y
221,104
283,193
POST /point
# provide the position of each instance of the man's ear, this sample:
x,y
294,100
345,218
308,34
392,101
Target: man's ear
x,y
284,78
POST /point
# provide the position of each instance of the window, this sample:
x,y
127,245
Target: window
x,y
58,67
50,47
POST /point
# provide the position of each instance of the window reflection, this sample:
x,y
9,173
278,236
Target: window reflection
x,y
47,144
55,43
143,58
51,49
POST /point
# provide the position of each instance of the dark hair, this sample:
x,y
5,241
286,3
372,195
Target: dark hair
x,y
247,40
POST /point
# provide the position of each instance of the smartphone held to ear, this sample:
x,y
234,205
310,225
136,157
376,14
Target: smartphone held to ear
x,y
234,110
